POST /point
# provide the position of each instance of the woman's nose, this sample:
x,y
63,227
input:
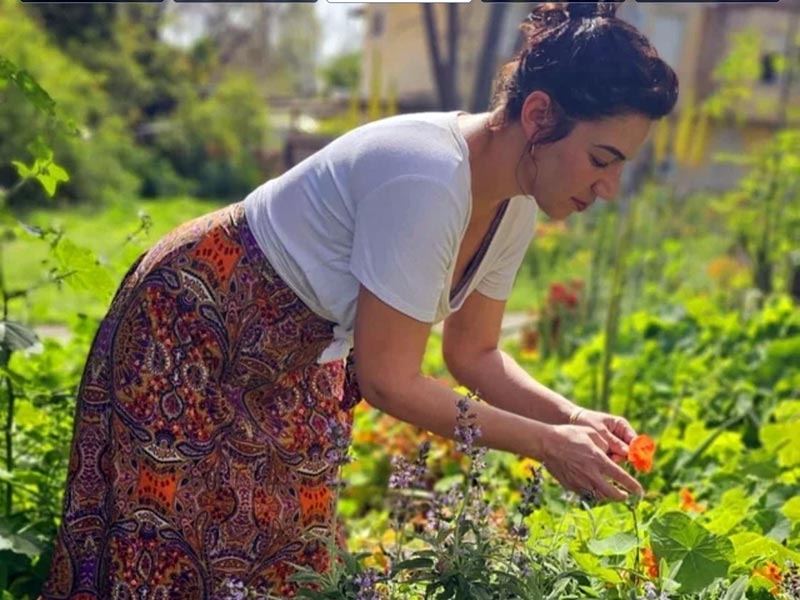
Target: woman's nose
x,y
608,187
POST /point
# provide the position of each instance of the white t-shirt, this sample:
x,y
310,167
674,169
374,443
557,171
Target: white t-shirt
x,y
386,206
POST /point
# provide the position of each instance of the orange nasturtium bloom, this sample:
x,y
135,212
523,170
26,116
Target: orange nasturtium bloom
x,y
649,562
688,502
771,572
640,453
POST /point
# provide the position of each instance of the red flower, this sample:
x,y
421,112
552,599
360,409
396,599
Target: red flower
x,y
561,294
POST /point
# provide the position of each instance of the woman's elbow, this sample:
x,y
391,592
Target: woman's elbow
x,y
381,388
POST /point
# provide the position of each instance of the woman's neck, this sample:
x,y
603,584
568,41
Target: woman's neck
x,y
493,156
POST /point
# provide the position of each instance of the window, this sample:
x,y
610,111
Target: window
x,y
768,72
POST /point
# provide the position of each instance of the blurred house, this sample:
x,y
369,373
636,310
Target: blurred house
x,y
693,38
396,49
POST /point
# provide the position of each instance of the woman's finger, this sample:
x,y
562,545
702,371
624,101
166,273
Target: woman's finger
x,y
623,430
604,490
617,458
616,445
600,440
619,475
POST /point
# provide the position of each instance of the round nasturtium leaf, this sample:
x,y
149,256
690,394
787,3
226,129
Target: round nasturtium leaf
x,y
702,555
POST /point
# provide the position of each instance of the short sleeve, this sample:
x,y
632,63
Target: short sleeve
x,y
499,278
406,236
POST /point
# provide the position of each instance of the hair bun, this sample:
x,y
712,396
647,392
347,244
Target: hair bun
x,y
590,10
554,14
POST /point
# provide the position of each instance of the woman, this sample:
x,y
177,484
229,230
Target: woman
x,y
216,394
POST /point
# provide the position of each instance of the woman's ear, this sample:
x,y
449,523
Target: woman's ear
x,y
535,113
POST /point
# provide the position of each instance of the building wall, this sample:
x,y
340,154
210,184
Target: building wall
x,y
776,27
694,38
395,33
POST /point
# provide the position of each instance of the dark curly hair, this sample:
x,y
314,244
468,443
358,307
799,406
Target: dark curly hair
x,y
592,64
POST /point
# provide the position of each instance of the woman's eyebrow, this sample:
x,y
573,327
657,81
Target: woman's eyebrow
x,y
613,151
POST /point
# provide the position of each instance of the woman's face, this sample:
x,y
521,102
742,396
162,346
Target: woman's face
x,y
567,176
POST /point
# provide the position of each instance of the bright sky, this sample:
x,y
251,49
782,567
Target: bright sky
x,y
341,30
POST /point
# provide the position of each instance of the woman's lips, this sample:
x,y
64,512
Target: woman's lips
x,y
581,206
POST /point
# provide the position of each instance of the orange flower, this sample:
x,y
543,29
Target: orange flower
x,y
771,572
725,269
640,453
649,562
688,502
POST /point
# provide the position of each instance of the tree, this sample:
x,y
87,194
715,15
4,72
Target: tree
x,y
445,66
81,23
481,89
342,72
277,43
444,54
296,46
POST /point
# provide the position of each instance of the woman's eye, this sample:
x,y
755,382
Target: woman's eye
x,y
597,163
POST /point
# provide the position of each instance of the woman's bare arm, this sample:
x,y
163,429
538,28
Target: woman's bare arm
x,y
389,348
471,352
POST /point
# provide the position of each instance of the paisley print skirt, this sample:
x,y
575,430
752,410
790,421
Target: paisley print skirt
x,y
205,433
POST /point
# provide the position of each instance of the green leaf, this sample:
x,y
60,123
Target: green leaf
x,y
778,354
732,509
32,230
16,378
413,563
28,416
84,272
7,68
752,546
18,543
792,509
773,524
33,91
40,150
738,589
478,592
50,175
703,556
23,170
749,545
592,566
782,439
14,336
619,543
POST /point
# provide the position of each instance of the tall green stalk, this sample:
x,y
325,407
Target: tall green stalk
x,y
614,306
645,241
763,267
5,355
596,267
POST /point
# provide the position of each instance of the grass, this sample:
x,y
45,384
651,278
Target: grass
x,y
104,231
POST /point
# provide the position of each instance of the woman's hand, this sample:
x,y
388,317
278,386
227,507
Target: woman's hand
x,y
616,431
578,457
